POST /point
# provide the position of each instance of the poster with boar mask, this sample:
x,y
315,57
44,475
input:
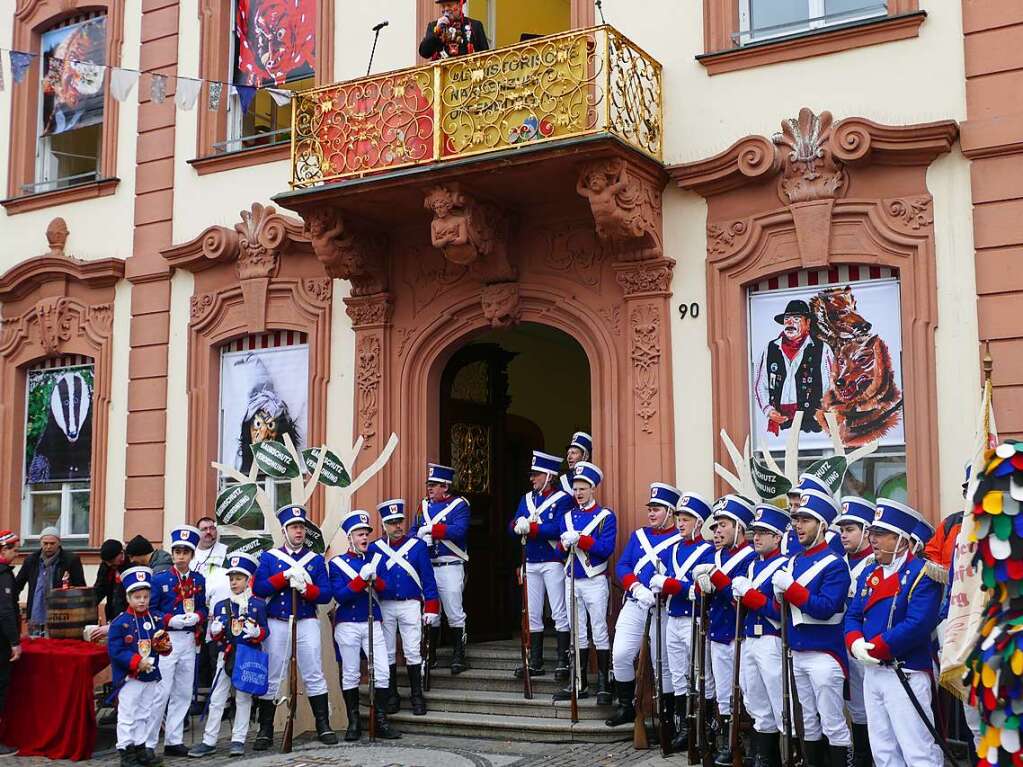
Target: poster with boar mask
x,y
831,347
263,395
58,424
276,41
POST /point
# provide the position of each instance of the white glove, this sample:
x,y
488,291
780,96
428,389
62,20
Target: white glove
x,y
431,619
781,581
705,569
861,651
146,664
643,595
428,540
657,583
191,620
424,532
522,526
216,627
692,593
252,631
705,583
569,538
297,583
297,573
368,572
740,585
177,623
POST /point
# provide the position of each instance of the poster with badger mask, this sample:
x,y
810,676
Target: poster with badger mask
x,y
263,395
58,424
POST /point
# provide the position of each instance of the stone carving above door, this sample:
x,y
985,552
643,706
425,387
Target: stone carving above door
x,y
470,232
626,208
347,253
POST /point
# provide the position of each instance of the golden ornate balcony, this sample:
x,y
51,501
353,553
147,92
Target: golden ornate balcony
x,y
580,83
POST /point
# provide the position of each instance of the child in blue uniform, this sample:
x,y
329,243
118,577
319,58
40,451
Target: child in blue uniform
x,y
239,619
135,642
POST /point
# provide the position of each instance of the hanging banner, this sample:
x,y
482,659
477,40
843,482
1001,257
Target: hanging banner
x,y
74,62
58,424
276,41
333,473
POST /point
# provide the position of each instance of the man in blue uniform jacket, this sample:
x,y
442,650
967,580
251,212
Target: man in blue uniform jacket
x,y
293,574
409,601
443,525
894,611
536,525
814,586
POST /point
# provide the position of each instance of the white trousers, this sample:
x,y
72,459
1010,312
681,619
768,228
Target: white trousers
x,y
450,585
819,685
310,665
591,595
406,617
546,578
629,640
677,642
898,737
857,708
760,681
353,637
721,657
218,700
136,703
177,676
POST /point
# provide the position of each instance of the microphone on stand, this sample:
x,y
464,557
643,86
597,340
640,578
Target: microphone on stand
x,y
376,36
600,10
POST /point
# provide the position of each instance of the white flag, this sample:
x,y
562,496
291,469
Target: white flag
x,y
187,93
157,88
281,96
121,82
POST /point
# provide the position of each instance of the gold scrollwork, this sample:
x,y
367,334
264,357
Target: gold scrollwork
x,y
470,456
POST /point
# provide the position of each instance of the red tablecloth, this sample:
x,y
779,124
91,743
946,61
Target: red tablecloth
x,y
50,705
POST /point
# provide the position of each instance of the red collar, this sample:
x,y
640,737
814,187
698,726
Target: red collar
x,y
816,549
396,543
131,611
546,491
660,531
738,548
590,508
771,554
860,554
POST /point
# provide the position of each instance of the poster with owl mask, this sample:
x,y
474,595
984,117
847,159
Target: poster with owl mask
x,y
264,394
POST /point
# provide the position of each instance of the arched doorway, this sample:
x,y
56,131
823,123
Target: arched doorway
x,y
504,393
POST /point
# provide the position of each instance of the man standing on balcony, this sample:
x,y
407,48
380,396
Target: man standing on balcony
x,y
452,34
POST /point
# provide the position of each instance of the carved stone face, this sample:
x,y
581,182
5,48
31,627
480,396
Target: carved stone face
x,y
501,304
596,182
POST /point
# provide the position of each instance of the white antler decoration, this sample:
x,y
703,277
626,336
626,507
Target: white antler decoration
x,y
742,480
332,522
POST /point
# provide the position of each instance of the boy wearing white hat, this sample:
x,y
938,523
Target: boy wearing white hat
x,y
355,576
239,619
180,596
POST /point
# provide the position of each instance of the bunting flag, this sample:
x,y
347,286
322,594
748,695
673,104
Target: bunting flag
x,y
158,88
245,94
281,96
121,82
216,91
19,65
187,93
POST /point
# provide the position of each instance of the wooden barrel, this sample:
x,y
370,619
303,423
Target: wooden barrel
x,y
69,611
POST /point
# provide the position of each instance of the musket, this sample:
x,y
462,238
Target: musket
x,y
639,738
370,668
425,653
527,682
706,747
693,706
734,743
289,726
663,728
791,711
574,701
896,665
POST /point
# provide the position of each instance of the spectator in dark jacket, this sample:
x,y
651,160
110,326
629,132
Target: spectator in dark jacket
x,y
47,569
141,553
108,584
10,636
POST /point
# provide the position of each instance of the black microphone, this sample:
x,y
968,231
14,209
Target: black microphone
x,y
380,26
376,36
600,9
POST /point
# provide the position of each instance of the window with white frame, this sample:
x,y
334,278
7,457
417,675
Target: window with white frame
x,y
70,122
264,394
272,54
58,448
761,20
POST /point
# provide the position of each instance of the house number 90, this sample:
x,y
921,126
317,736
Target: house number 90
x,y
689,310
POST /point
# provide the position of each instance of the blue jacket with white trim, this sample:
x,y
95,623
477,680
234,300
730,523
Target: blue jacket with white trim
x,y
763,613
544,532
123,645
351,592
633,553
400,584
816,609
599,545
721,610
451,532
902,632
680,585
171,589
270,584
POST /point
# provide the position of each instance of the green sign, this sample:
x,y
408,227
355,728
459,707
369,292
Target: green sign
x,y
829,471
254,546
314,538
333,473
768,484
274,459
235,502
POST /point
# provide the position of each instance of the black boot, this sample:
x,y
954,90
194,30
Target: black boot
x,y
384,730
861,746
127,757
603,685
762,744
393,699
434,641
584,684
625,713
681,740
415,682
321,715
535,656
561,666
669,720
265,736
711,722
815,753
839,756
351,698
723,757
458,662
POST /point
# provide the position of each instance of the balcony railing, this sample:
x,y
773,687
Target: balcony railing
x,y
580,83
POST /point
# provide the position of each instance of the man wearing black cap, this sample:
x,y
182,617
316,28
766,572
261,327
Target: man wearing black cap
x,y
794,372
108,584
453,34
141,553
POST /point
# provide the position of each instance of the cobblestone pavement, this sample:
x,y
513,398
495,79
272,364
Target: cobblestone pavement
x,y
411,751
